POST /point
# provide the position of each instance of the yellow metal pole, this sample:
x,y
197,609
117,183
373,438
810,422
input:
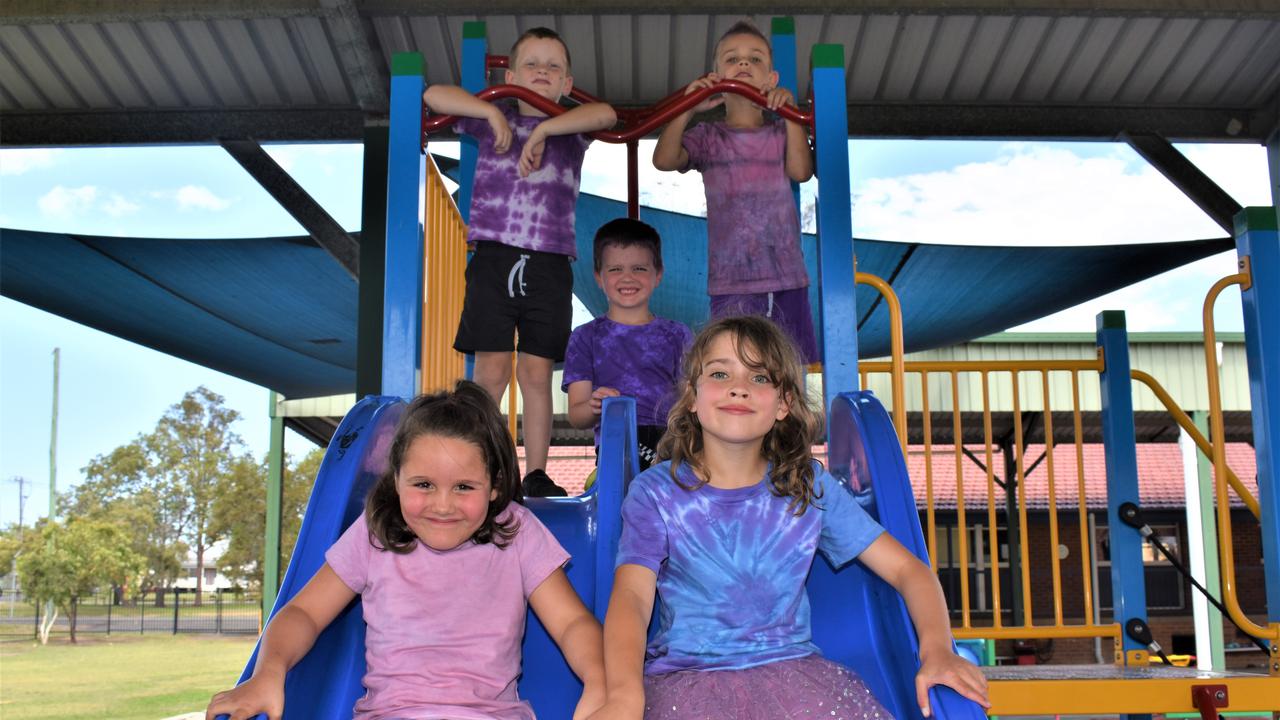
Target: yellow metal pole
x,y
957,433
928,472
1086,543
992,537
1053,503
1023,549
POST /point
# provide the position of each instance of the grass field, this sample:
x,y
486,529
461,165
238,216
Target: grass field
x,y
142,678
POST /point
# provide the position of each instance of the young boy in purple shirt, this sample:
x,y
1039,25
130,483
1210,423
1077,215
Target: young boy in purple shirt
x,y
626,351
747,161
521,227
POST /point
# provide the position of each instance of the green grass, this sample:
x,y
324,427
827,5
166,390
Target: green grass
x,y
145,677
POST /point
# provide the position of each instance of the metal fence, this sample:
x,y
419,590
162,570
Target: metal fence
x,y
171,612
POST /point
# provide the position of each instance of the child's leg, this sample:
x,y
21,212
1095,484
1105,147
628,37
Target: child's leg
x,y
534,375
493,373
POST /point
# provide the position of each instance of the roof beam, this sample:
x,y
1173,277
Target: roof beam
x,y
365,71
167,127
323,228
1205,193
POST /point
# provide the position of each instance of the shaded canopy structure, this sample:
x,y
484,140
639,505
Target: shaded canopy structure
x,y
282,313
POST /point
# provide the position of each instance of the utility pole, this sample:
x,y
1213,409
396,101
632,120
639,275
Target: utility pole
x,y
53,458
13,569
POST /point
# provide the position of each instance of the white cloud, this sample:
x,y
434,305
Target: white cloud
x,y
65,201
194,197
1032,195
17,162
118,205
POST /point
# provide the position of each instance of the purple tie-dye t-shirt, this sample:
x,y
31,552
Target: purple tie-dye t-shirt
x,y
753,230
642,361
732,564
534,212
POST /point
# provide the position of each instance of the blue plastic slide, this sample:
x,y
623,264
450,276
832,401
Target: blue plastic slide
x,y
326,684
858,619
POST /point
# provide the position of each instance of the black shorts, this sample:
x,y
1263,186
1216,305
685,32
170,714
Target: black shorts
x,y
512,290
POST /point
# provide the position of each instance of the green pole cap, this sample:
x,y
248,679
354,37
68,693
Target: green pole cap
x,y
1255,218
1111,320
407,63
783,26
473,30
827,56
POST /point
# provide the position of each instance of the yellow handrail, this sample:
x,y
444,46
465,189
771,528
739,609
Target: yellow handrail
x,y
895,351
1217,433
1185,422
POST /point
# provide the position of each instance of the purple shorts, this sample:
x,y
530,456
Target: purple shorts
x,y
807,687
788,308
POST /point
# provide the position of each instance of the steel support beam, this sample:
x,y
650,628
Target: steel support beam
x,y
1204,192
365,70
170,127
323,228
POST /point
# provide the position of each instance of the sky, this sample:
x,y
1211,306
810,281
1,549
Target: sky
x,y
955,192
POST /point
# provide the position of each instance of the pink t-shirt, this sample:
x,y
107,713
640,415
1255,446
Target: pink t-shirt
x,y
444,628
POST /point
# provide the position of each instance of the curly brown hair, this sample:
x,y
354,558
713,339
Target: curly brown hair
x,y
465,413
764,348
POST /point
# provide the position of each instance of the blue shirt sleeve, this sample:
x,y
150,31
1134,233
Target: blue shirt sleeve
x,y
847,529
644,532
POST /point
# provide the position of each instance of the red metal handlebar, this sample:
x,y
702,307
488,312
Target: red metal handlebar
x,y
644,123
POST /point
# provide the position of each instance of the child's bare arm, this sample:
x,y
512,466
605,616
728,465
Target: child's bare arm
x,y
582,119
669,153
927,606
453,100
288,637
585,403
625,625
577,634
799,161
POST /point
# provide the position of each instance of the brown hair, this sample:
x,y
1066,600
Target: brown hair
x,y
539,33
763,347
742,27
626,232
465,413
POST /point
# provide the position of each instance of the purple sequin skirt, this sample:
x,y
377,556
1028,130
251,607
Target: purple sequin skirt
x,y
807,687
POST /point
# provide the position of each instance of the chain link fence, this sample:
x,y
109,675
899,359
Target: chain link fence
x,y
169,611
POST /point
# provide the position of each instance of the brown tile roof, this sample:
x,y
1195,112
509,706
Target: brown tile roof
x,y
1160,481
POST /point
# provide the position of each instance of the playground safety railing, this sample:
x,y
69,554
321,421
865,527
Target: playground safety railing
x,y
444,265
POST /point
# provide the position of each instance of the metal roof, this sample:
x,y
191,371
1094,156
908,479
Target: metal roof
x,y
147,71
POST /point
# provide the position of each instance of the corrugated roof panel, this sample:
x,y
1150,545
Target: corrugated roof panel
x,y
275,42
50,89
179,64
1236,46
1096,42
990,35
581,33
914,43
1125,53
1064,36
316,48
616,56
690,57
871,55
943,61
1016,57
651,74
225,83
1198,53
1264,62
1168,42
246,58
69,61
140,58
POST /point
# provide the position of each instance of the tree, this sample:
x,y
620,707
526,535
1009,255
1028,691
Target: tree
x,y
240,514
60,562
193,451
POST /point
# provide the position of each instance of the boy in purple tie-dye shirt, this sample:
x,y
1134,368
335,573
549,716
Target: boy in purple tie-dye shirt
x,y
521,227
627,351
747,161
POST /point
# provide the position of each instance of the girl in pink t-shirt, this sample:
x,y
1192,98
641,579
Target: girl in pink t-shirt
x,y
444,563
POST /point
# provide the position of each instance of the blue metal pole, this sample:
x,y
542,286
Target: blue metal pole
x,y
1258,244
835,224
475,77
1128,585
402,296
783,32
